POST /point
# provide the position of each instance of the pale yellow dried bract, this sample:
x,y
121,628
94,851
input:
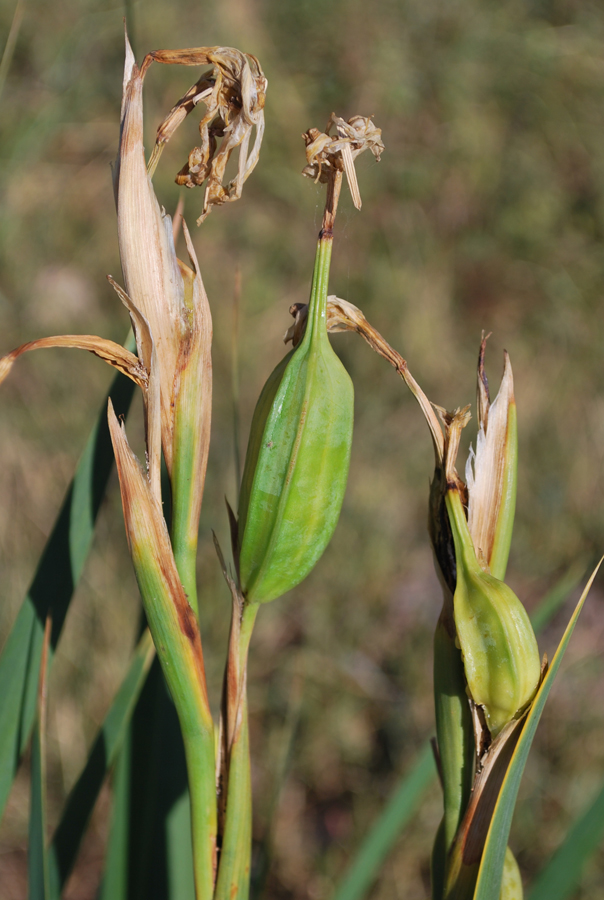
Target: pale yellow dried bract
x,y
485,470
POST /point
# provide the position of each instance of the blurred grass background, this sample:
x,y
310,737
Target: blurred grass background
x,y
486,212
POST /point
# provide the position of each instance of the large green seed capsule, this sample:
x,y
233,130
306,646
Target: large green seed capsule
x,y
498,645
297,460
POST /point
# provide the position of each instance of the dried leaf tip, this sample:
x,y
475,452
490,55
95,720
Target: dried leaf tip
x,y
234,94
326,153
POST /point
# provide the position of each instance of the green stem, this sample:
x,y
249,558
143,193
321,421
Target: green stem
x,y
317,306
453,728
235,855
199,753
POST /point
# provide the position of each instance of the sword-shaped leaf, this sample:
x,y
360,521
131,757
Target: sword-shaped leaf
x,y
37,857
79,806
562,873
51,590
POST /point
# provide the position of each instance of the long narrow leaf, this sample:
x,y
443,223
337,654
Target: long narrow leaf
x,y
51,591
80,803
545,611
37,859
561,875
488,885
386,830
160,860
115,878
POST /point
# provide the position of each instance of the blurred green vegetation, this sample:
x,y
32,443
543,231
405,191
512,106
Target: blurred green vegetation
x,y
486,212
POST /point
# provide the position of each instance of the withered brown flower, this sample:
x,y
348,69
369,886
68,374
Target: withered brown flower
x,y
326,153
234,93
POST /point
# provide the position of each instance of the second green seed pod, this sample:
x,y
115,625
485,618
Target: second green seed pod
x,y
297,461
497,641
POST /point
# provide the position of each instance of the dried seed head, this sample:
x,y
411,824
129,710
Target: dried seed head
x,y
326,154
234,94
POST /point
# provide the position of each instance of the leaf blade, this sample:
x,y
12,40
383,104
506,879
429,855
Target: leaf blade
x,y
37,857
561,874
51,590
81,801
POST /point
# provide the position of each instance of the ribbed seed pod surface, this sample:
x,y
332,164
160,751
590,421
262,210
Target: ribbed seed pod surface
x,y
498,645
295,473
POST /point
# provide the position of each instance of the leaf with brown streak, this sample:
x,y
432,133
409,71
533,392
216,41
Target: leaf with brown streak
x,y
467,848
171,619
146,353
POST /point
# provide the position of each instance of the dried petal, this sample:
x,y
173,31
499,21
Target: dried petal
x,y
234,94
326,153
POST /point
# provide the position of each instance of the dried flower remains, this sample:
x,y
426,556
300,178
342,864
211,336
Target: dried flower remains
x,y
326,153
234,94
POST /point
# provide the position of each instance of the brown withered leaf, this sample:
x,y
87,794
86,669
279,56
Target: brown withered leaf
x,y
165,297
234,94
118,357
345,316
326,153
152,278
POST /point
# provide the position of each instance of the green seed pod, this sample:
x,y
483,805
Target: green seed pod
x,y
297,459
498,645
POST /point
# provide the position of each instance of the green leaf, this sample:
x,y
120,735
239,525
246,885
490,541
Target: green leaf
x,y
79,806
37,858
556,596
385,831
158,842
561,875
115,879
51,591
491,866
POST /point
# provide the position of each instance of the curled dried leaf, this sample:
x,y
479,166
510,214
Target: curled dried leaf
x,y
326,153
234,94
345,316
118,357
